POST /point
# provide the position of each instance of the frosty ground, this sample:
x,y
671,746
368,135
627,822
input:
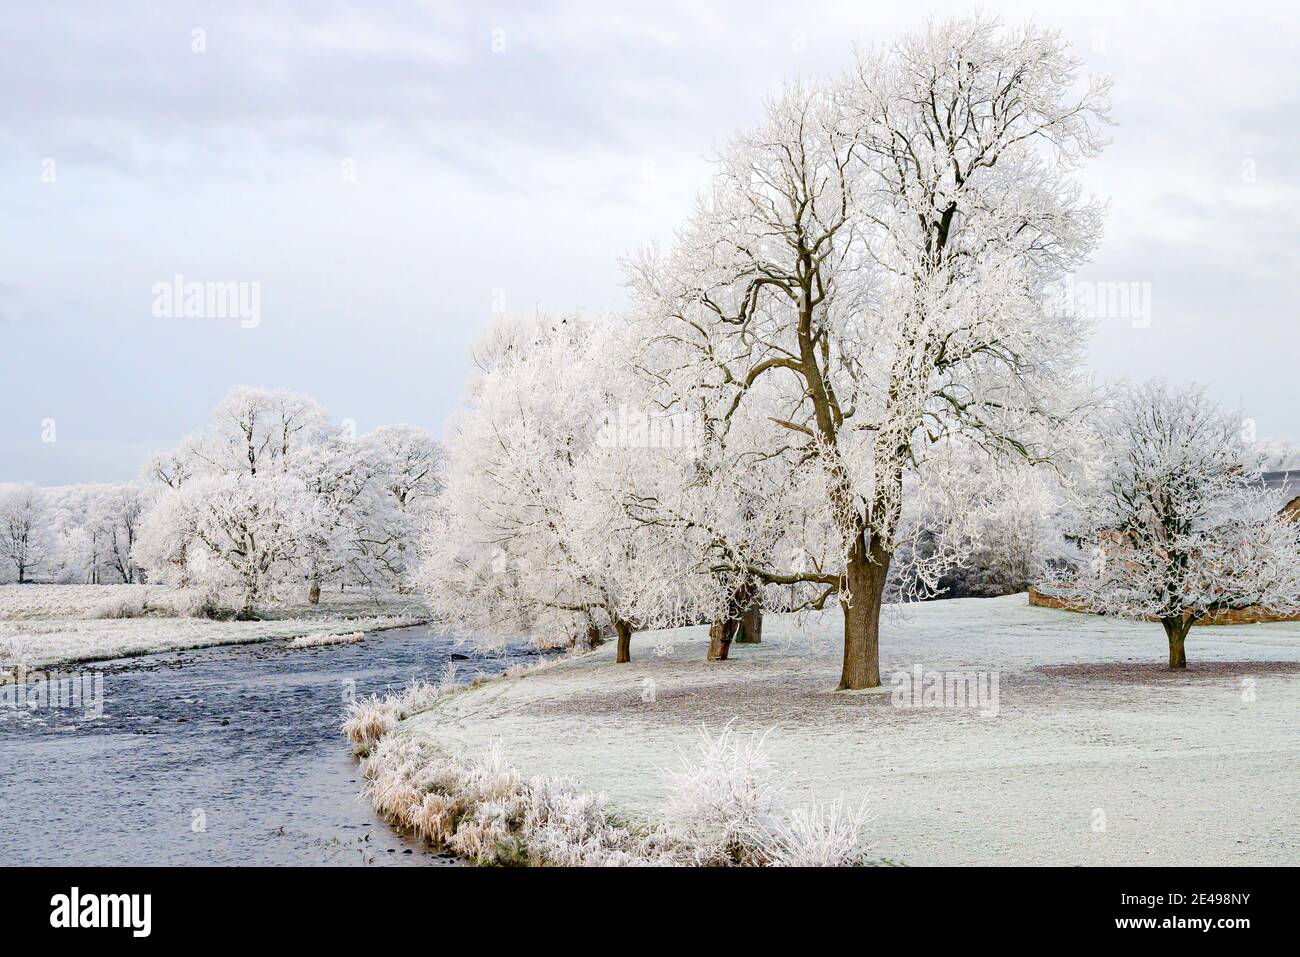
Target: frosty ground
x,y
50,625
1097,753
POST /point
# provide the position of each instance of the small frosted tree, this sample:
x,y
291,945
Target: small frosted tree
x,y
339,476
23,534
1184,526
116,514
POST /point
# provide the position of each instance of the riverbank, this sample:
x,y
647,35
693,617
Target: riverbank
x,y
1074,744
47,626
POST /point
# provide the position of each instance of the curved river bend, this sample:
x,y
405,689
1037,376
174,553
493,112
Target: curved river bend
x,y
228,755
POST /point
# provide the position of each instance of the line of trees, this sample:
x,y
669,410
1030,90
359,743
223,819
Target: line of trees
x,y
859,327
270,497
71,533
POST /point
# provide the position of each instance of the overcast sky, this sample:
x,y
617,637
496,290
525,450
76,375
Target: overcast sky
x,y
391,173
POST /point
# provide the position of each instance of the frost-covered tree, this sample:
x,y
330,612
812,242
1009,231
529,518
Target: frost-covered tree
x,y
116,516
1184,525
340,478
173,467
882,251
1276,455
1008,533
735,504
167,533
363,500
252,430
231,533
24,540
407,463
257,435
531,536
78,537
92,529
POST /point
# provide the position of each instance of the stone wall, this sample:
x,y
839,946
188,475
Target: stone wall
x,y
1234,616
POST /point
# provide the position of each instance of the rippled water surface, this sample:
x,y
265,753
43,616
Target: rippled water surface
x,y
225,755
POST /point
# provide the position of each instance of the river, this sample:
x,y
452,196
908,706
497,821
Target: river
x,y
228,755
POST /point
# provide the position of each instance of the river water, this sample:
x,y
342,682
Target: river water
x,y
228,755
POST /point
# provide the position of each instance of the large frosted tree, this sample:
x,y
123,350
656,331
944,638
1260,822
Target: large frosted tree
x,y
881,251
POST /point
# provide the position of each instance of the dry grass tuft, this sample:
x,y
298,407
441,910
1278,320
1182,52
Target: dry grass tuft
x,y
482,808
371,718
819,835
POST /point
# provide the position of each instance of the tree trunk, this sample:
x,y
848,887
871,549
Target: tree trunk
x,y
721,633
594,637
751,624
624,632
866,574
313,594
729,625
1176,629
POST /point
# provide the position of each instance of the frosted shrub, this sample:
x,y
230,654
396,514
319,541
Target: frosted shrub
x,y
420,694
389,779
569,827
198,604
727,809
121,606
819,835
519,670
725,799
489,833
492,776
435,817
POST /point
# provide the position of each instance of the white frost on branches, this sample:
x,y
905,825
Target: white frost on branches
x,y
272,496
531,535
1185,526
867,285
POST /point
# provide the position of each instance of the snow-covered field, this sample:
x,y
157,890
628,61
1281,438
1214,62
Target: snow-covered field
x,y
43,625
1096,754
